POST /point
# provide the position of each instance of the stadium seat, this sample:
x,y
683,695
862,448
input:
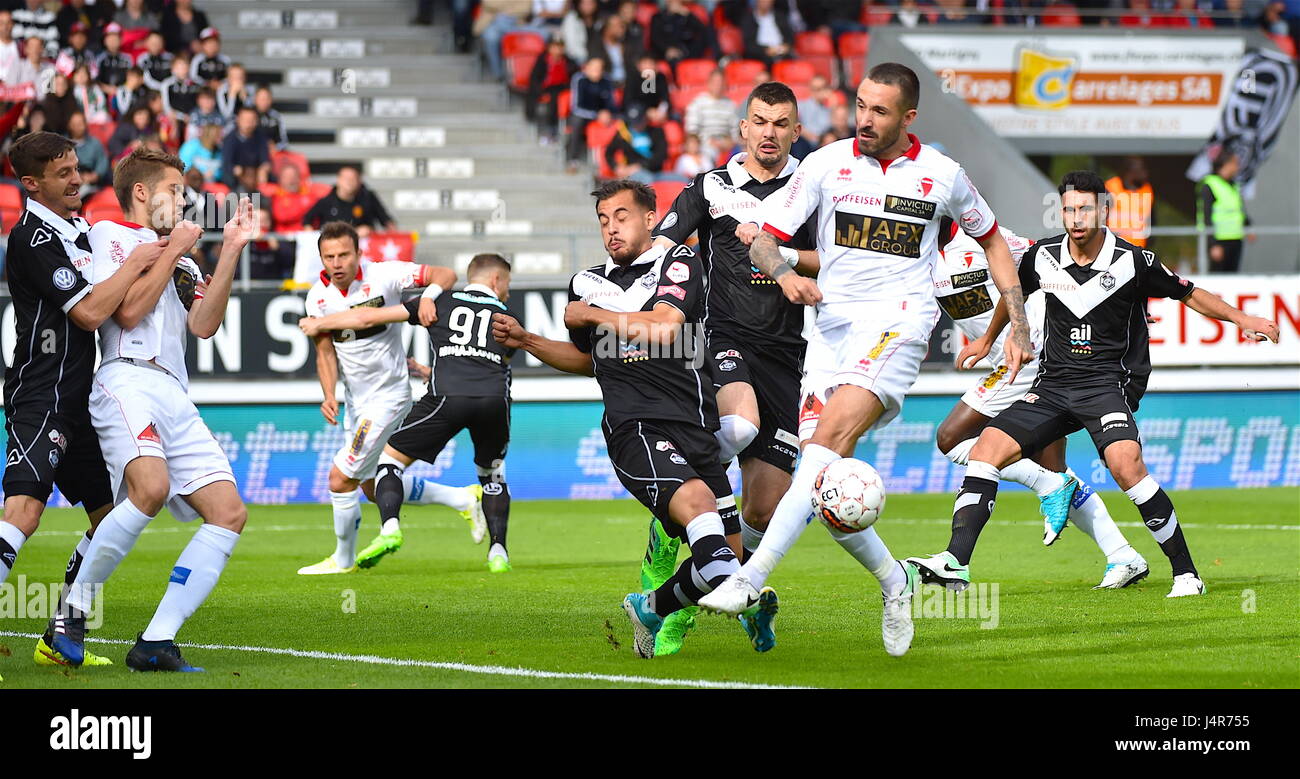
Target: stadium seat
x,y
665,193
853,50
562,104
731,41
682,97
100,206
645,13
1285,43
675,137
285,157
102,131
792,72
739,93
11,206
1061,15
700,13
694,72
519,71
522,42
743,72
599,137
874,15
817,49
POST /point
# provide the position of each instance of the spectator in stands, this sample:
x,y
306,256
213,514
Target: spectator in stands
x,y
90,98
155,61
204,153
92,159
827,138
210,65
112,64
350,202
268,256
638,149
842,16
590,93
75,12
768,35
1282,17
180,92
910,14
32,19
580,27
245,148
10,55
647,87
618,51
268,119
551,74
1132,202
692,161
59,104
1237,14
77,52
132,15
233,95
815,110
34,68
181,25
842,122
205,113
627,11
290,200
712,113
137,124
957,12
32,121
131,92
676,34
495,20
1221,207
549,14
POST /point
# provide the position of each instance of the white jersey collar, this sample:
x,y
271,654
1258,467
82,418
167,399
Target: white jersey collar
x,y
68,229
740,176
649,255
482,289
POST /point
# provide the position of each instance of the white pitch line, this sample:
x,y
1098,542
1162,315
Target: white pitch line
x,y
487,670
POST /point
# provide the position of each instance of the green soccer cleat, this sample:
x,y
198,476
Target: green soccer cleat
x,y
474,514
1056,509
44,654
942,569
645,624
384,544
759,621
326,567
498,564
660,561
669,639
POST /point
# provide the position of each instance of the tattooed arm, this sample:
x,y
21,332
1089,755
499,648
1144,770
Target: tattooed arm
x,y
765,254
1017,349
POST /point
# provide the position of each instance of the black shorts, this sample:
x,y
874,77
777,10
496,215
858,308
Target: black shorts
x,y
654,458
436,419
43,451
775,373
1047,413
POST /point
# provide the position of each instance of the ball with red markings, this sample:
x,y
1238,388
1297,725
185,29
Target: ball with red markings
x,y
848,495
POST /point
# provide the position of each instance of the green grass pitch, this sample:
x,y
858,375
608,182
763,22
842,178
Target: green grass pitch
x,y
558,611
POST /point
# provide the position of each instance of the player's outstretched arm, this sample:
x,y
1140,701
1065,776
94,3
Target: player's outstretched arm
x,y
327,370
766,255
560,355
437,280
143,295
206,314
106,296
661,324
1213,306
1002,267
353,319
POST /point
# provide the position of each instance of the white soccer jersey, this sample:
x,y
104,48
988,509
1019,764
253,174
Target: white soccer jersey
x,y
372,362
878,222
965,289
160,335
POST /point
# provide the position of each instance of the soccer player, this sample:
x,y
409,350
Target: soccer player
x,y
371,361
1096,362
56,311
879,198
755,341
634,324
469,387
157,447
966,292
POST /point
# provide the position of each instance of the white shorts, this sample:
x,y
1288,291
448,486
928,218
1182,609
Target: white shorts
x,y
368,427
881,352
993,393
143,412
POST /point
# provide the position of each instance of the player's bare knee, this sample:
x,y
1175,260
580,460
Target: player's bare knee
x,y
757,516
691,500
996,448
24,513
1124,459
232,517
339,482
947,437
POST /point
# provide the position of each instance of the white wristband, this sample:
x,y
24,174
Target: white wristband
x,y
432,291
791,256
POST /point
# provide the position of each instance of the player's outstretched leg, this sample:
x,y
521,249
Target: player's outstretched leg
x,y
467,500
1054,490
347,521
45,654
1160,518
898,580
971,512
388,499
494,509
1124,565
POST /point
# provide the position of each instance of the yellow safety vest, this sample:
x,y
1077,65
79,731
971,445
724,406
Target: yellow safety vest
x,y
1228,214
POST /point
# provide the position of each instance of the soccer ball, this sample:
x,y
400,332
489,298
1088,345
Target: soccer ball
x,y
848,495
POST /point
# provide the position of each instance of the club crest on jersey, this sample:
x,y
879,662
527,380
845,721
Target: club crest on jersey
x,y
726,354
678,272
58,439
54,458
649,280
664,446
727,365
677,458
1081,340
150,433
64,278
1107,281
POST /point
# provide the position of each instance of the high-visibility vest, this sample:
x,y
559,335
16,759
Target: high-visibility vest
x,y
1130,211
1228,216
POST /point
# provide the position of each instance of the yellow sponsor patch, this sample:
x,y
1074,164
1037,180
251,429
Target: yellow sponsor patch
x,y
1043,81
879,348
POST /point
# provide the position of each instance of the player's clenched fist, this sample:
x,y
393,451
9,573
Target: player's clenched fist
x,y
508,332
310,326
747,232
184,235
330,410
145,255
800,290
577,314
428,312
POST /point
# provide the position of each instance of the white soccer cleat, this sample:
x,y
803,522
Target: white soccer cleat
x,y
1120,575
1186,584
325,568
896,627
731,597
474,514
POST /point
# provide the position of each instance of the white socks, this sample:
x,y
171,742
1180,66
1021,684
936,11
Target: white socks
x,y
1090,516
791,516
390,527
114,537
497,550
735,434
424,491
192,580
1034,476
960,454
13,539
749,537
347,520
867,548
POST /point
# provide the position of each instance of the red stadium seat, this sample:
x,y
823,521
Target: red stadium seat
x,y
1061,15
739,93
875,16
695,72
743,72
1285,43
700,13
102,131
562,104
813,43
791,72
645,13
731,41
801,91
599,137
682,97
11,206
853,50
100,206
665,193
284,157
519,71
522,42
675,137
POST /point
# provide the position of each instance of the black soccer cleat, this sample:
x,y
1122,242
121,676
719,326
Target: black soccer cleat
x,y
68,636
158,656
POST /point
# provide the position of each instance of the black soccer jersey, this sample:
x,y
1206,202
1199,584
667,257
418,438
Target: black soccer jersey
x,y
740,299
157,69
463,355
112,68
639,379
204,68
1095,328
53,358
